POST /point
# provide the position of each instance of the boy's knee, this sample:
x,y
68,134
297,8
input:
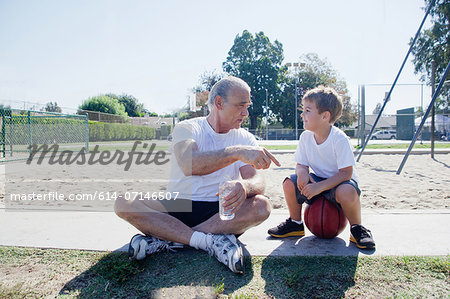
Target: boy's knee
x,y
288,186
346,193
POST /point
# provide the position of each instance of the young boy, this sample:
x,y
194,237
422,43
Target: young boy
x,y
327,151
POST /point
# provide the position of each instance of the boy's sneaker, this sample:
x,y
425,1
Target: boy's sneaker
x,y
287,229
227,250
140,246
362,237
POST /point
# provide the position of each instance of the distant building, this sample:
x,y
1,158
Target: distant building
x,y
384,123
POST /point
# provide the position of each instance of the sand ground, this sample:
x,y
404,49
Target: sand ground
x,y
423,184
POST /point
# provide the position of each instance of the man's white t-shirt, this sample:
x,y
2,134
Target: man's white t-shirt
x,y
327,158
205,187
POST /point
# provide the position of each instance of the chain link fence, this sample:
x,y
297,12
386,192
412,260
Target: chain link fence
x,y
105,117
21,130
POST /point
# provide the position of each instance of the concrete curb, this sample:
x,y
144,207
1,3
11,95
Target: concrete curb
x,y
398,232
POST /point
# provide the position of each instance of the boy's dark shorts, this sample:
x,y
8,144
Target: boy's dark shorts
x,y
201,211
329,194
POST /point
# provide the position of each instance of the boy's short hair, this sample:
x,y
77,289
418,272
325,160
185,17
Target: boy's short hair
x,y
326,99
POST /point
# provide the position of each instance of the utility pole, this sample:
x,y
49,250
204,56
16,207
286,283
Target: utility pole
x,y
267,114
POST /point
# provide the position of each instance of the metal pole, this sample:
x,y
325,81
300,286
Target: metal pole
x,y
395,81
267,114
359,115
86,150
296,108
363,113
423,119
3,135
433,86
29,130
421,108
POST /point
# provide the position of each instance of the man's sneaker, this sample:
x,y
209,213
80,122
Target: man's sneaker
x,y
287,228
141,246
227,250
362,237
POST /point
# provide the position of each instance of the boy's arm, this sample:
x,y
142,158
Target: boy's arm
x,y
313,189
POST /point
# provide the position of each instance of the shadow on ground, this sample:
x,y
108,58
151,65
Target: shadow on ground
x,y
316,268
188,273
309,277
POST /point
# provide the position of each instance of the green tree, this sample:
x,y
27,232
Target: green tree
x,y
433,44
132,106
207,81
52,107
311,73
201,91
105,104
257,61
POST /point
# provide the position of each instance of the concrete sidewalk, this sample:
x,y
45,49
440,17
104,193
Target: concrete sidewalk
x,y
403,232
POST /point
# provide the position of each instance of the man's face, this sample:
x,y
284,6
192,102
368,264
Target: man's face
x,y
235,109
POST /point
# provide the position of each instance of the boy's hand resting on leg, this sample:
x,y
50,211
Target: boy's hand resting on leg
x,y
302,181
311,190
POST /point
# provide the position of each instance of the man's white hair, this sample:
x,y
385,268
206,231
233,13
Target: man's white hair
x,y
223,87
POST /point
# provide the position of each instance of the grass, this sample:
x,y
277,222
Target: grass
x,y
369,146
31,272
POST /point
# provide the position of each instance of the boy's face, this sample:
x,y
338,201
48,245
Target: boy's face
x,y
312,119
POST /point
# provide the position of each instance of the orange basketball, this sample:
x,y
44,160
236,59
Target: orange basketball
x,y
324,219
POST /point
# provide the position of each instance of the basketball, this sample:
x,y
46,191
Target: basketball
x,y
324,219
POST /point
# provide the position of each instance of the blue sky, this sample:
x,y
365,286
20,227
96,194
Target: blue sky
x,y
67,51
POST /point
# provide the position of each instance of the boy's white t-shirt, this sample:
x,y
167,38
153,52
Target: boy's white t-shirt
x,y
327,158
205,187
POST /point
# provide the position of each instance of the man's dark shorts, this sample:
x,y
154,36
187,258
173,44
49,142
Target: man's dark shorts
x,y
201,211
329,194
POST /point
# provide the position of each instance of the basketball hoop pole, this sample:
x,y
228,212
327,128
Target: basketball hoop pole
x,y
424,118
395,81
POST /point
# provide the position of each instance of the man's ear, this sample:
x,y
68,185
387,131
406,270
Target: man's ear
x,y
218,101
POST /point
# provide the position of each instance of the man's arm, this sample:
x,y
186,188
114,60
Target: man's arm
x,y
344,174
193,162
252,183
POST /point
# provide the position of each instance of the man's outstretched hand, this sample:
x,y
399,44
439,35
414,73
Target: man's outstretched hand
x,y
258,157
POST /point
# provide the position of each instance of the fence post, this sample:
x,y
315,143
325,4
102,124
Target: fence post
x,y
86,150
3,136
29,129
11,127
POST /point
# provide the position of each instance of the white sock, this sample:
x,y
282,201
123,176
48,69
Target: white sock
x,y
297,221
198,240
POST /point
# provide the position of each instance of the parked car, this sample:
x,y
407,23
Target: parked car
x,y
384,135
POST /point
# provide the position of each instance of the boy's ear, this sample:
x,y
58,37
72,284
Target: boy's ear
x,y
326,115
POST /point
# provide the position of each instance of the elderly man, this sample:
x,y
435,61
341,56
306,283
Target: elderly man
x,y
205,151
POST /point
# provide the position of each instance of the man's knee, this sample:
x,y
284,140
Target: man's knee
x,y
262,208
122,207
346,193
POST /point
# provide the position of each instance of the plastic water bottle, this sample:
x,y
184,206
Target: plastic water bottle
x,y
225,188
